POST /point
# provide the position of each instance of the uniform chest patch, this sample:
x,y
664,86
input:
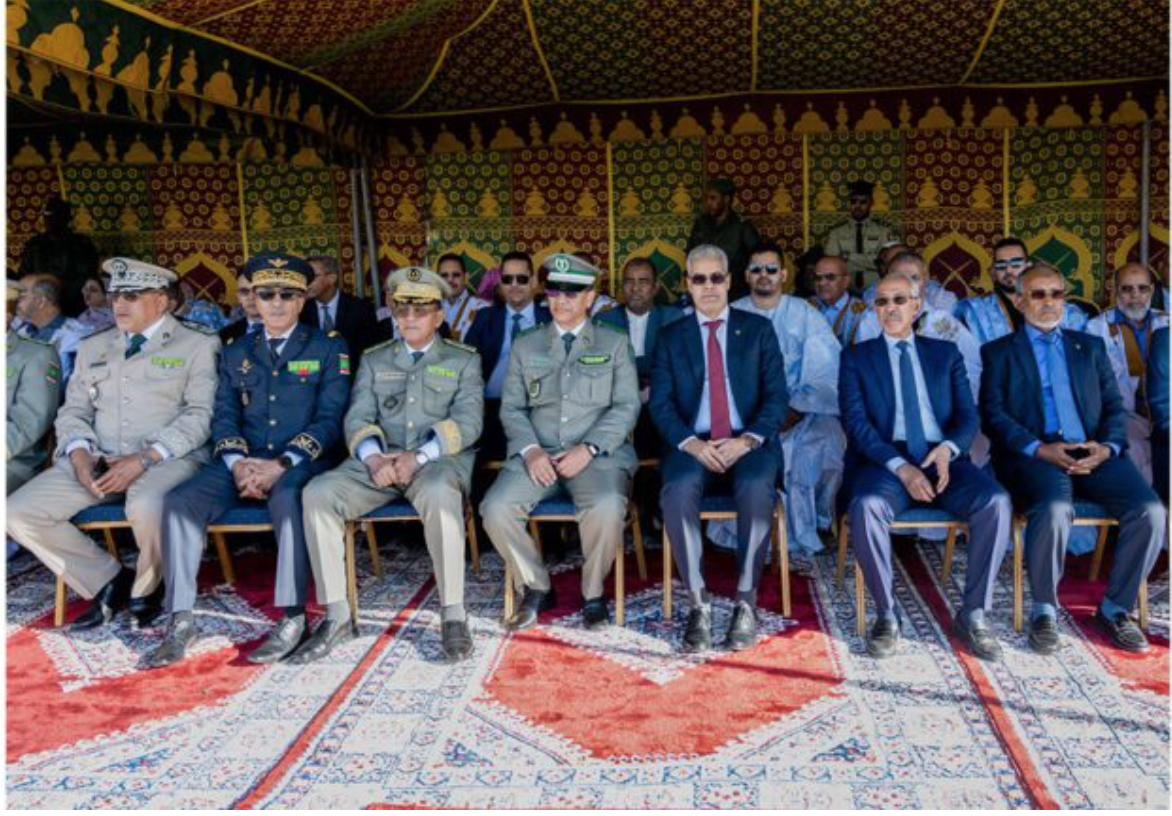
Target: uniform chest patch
x,y
389,376
440,371
168,362
303,368
594,359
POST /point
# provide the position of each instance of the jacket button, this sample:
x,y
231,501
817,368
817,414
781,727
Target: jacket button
x,y
270,446
272,397
272,422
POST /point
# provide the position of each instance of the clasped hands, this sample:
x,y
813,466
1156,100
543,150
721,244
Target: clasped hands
x,y
718,455
256,477
121,474
391,469
544,469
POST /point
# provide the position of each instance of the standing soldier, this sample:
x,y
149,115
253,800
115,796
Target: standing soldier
x,y
416,412
570,400
859,239
135,423
272,434
33,379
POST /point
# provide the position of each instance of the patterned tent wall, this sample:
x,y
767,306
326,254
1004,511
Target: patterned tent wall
x,y
1072,194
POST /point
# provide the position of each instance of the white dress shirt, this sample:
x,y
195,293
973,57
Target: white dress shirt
x,y
638,331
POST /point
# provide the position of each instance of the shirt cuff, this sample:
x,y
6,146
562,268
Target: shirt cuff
x,y
684,444
1031,449
230,460
526,449
760,439
79,444
952,447
1114,448
164,454
430,449
296,456
367,448
894,464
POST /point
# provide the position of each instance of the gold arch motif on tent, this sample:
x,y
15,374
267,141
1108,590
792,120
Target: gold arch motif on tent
x,y
971,249
198,260
1077,264
1156,232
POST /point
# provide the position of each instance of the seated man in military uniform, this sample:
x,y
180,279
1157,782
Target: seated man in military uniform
x,y
272,434
416,411
135,423
33,383
570,400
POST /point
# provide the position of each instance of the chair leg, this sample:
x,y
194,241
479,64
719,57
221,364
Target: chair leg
x,y
372,543
473,541
666,576
843,535
225,557
111,544
1018,577
1100,548
860,602
782,537
949,549
1143,604
351,573
620,612
59,603
508,591
637,534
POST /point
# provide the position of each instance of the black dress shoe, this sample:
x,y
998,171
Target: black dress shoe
x,y
698,637
282,641
456,640
1123,631
1043,637
176,641
106,604
978,639
323,640
147,610
884,638
595,615
742,629
533,604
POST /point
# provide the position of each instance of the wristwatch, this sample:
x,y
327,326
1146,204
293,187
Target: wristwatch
x,y
421,458
594,450
285,461
752,441
146,460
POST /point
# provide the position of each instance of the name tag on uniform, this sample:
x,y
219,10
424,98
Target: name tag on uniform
x,y
594,359
440,371
389,376
98,364
168,362
303,368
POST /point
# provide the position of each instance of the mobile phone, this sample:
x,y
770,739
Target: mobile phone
x,y
100,467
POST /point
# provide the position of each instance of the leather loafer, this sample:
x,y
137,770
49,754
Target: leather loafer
x,y
698,636
323,640
533,604
1123,630
595,615
176,641
1043,637
110,599
147,610
978,639
742,629
884,638
282,641
456,640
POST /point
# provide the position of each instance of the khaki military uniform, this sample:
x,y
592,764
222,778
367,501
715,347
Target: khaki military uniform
x,y
400,402
843,241
164,394
557,401
33,381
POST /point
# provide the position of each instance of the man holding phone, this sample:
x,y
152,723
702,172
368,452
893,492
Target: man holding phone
x,y
1052,410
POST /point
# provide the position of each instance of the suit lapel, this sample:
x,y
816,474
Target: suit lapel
x,y
694,351
1029,365
736,348
880,362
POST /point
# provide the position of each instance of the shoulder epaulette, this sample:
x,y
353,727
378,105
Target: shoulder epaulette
x,y
35,340
196,326
332,333
383,344
606,324
229,341
459,345
530,330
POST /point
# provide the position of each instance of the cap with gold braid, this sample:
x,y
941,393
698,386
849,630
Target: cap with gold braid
x,y
569,273
417,284
130,275
279,269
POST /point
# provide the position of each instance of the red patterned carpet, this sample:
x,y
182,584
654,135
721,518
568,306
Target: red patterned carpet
x,y
561,717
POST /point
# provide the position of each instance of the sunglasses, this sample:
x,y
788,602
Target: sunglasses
x,y
131,297
515,280
896,300
1010,263
716,279
1136,289
414,309
283,294
764,269
566,293
1047,294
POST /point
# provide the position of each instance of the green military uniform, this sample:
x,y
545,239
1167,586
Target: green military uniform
x,y
434,405
121,402
859,247
34,383
556,399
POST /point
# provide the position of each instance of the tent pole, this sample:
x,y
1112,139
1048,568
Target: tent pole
x,y
356,234
371,244
1145,196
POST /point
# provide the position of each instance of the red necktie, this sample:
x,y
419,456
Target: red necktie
x,y
717,395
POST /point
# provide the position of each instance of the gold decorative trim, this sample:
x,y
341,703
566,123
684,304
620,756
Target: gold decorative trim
x,y
1005,193
449,436
805,189
553,86
243,213
610,209
755,35
228,12
307,445
980,52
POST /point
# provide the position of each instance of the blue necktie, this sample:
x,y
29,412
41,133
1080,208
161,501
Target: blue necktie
x,y
1069,422
516,328
568,341
913,423
137,341
415,355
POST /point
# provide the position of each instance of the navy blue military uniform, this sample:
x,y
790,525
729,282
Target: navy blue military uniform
x,y
266,407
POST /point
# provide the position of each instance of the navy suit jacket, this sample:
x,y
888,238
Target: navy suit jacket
x,y
659,317
1011,391
1157,380
355,320
487,332
866,398
756,376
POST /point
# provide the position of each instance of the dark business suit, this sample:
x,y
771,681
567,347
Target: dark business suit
x,y
1014,418
354,319
1156,388
647,443
237,329
486,335
756,375
867,402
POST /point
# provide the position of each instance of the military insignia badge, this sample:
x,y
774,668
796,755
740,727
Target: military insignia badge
x,y
245,366
344,364
534,389
303,368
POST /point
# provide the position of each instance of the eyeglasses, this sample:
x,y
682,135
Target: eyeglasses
x,y
764,269
413,309
283,294
1047,294
1010,263
828,278
131,297
897,300
716,279
1135,289
517,280
244,291
566,293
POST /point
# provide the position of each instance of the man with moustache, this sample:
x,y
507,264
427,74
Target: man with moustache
x,y
460,309
842,310
858,239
